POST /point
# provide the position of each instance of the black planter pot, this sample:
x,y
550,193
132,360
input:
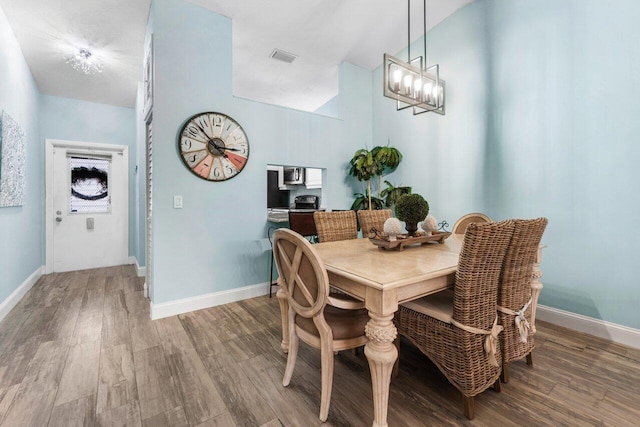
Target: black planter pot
x,y
411,228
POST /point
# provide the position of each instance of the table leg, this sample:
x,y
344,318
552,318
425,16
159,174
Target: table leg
x,y
381,354
284,314
536,288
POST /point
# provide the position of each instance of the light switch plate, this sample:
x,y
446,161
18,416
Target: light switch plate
x,y
177,202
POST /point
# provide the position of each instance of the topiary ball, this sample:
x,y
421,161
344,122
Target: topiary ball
x,y
412,208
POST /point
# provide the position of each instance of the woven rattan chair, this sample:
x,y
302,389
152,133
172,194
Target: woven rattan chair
x,y
514,294
313,316
461,224
373,219
457,329
332,226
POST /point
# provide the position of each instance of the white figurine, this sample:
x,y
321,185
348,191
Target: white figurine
x,y
430,224
392,227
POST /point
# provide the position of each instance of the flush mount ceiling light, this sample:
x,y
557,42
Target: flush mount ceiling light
x,y
83,60
412,83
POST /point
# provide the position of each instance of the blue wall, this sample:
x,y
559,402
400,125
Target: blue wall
x,y
542,120
21,228
75,120
217,241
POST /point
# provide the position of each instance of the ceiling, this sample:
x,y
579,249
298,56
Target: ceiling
x,y
48,31
322,33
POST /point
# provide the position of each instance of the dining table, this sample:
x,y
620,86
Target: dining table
x,y
383,279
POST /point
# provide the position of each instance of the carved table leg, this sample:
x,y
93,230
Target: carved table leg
x,y
284,315
536,288
381,354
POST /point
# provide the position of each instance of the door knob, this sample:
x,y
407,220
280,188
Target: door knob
x,y
58,219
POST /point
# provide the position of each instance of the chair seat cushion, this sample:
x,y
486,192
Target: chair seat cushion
x,y
438,305
345,324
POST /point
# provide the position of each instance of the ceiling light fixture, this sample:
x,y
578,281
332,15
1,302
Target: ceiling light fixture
x,y
412,83
83,60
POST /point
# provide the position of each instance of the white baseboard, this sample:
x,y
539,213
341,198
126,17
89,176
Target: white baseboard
x,y
172,308
16,296
140,271
610,331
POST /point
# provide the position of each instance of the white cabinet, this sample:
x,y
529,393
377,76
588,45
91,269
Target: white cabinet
x,y
313,178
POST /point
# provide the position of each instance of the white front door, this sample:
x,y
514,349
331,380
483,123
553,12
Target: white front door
x,y
87,205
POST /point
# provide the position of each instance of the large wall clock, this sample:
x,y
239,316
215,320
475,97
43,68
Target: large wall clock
x,y
213,146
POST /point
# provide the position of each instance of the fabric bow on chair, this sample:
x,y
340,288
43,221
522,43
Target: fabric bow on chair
x,y
520,320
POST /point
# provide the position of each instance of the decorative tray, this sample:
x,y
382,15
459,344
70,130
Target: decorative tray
x,y
402,240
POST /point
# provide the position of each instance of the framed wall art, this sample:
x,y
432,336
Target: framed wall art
x,y
13,155
148,78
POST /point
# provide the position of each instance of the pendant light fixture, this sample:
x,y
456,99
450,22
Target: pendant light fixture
x,y
413,83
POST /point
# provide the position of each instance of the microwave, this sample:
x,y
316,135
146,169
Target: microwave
x,y
293,175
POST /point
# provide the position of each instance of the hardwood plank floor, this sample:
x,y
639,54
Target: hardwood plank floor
x,y
80,349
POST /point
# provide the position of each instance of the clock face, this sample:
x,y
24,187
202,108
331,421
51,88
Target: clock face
x,y
213,146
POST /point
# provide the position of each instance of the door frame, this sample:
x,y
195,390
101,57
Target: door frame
x,y
88,147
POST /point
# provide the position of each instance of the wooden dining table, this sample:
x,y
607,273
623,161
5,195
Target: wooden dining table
x,y
383,279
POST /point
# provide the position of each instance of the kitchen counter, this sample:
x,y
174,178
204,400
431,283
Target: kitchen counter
x,y
279,215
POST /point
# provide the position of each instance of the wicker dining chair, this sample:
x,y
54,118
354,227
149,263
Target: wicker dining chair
x,y
370,219
332,226
313,315
461,224
457,329
514,293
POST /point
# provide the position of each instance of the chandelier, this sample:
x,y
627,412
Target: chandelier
x,y
412,83
83,60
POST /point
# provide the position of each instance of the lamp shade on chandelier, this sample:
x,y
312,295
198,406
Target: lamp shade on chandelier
x,y
412,83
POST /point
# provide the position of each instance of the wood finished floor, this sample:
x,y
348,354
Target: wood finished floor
x,y
79,350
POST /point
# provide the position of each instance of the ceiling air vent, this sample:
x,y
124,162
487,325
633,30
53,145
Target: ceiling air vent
x,y
281,55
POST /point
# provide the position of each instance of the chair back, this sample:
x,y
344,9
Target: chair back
x,y
302,273
478,274
373,219
302,223
332,226
515,283
461,224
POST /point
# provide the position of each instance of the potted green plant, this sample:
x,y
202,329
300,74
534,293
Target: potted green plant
x,y
365,165
412,208
366,202
388,158
391,194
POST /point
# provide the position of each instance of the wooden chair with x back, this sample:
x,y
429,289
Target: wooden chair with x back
x,y
461,224
313,315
